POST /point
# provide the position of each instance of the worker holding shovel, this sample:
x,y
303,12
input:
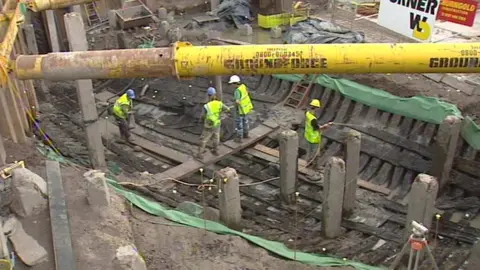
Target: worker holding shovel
x,y
244,106
313,131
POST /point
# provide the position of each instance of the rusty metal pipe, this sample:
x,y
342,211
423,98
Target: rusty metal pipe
x,y
97,64
41,5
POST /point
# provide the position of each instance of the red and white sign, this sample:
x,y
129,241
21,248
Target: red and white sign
x,y
458,11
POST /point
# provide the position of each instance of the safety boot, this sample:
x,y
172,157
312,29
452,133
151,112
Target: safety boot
x,y
238,139
246,135
214,152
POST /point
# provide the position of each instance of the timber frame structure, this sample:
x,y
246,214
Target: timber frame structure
x,y
18,101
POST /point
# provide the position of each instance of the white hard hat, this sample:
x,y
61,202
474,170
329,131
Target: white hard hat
x,y
234,79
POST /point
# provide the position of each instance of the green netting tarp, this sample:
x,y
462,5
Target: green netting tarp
x,y
471,133
157,209
428,109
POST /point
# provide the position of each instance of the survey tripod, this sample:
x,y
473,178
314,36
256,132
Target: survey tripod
x,y
417,243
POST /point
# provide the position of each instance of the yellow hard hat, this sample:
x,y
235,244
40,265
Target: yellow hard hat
x,y
315,103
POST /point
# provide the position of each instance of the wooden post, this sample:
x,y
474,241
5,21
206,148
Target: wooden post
x,y
229,199
29,86
333,187
288,140
11,113
3,154
32,49
444,149
78,42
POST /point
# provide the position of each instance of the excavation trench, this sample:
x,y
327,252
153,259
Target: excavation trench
x,y
394,150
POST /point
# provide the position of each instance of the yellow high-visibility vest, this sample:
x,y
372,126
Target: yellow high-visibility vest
x,y
122,101
311,135
214,109
245,105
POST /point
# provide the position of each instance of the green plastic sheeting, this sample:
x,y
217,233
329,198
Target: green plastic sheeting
x,y
427,109
157,209
471,133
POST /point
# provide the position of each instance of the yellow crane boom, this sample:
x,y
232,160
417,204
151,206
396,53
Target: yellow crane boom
x,y
184,60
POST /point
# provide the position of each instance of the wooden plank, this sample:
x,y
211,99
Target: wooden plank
x,y
372,187
276,153
104,96
228,148
385,152
394,139
62,240
468,166
205,18
136,133
231,41
273,159
189,164
267,151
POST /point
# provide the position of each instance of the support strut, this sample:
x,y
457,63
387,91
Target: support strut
x,y
41,5
183,60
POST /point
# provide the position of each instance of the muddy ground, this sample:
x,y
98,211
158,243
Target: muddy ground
x,y
177,247
95,235
409,85
171,246
164,245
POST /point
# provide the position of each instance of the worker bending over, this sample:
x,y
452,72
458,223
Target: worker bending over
x,y
212,112
313,131
243,106
122,110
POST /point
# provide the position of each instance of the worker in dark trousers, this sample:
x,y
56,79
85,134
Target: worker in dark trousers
x,y
243,105
122,110
212,113
313,131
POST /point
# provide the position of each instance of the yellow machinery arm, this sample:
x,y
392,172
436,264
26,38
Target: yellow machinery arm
x,y
41,5
183,60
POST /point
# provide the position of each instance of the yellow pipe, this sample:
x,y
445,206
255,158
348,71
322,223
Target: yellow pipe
x,y
328,58
184,60
41,5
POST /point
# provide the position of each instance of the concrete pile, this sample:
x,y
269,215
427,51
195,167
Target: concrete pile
x,y
127,258
98,194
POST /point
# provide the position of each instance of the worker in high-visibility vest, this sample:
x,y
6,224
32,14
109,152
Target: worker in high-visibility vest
x,y
243,105
212,113
122,110
313,131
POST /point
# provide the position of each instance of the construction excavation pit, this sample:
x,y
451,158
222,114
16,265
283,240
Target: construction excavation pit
x,y
394,182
